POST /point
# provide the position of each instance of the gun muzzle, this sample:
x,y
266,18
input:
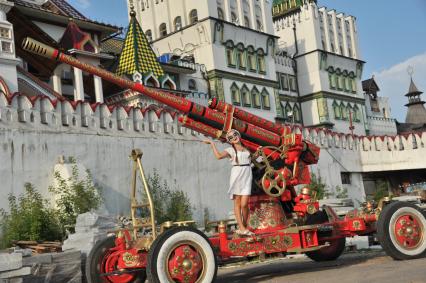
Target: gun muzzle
x,y
35,47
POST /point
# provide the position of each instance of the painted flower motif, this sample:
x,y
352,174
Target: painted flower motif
x,y
254,222
272,222
288,241
232,246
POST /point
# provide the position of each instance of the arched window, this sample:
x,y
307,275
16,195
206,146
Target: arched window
x,y
332,80
151,82
235,95
163,30
255,96
234,18
349,111
344,111
336,110
177,23
296,114
245,95
266,103
246,22
251,59
353,82
168,85
148,35
193,16
357,114
348,84
192,85
230,54
241,57
220,14
261,61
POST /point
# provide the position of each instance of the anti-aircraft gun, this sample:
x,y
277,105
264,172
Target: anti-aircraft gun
x,y
282,220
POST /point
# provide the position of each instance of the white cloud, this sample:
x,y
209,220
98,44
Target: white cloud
x,y
394,82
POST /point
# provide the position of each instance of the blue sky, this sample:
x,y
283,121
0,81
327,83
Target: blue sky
x,y
392,35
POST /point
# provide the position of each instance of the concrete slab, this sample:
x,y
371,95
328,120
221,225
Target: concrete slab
x,y
37,259
66,257
10,261
16,273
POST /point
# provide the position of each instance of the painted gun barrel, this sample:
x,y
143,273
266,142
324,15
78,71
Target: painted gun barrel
x,y
199,113
248,117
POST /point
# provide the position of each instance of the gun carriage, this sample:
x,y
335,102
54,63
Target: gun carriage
x,y
283,221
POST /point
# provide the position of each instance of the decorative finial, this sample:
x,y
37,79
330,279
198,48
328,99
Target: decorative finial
x,y
410,71
132,9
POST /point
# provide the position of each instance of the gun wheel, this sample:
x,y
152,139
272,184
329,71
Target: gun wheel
x,y
273,183
401,230
102,260
181,254
336,246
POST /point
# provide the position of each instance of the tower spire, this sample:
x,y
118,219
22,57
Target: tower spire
x,y
416,112
137,55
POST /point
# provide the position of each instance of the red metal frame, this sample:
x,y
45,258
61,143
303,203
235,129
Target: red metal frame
x,y
274,230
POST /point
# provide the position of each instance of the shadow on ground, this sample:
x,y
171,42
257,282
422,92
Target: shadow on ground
x,y
265,271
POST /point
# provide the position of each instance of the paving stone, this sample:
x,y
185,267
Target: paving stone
x,y
361,242
24,252
12,280
10,261
90,227
16,273
66,257
37,259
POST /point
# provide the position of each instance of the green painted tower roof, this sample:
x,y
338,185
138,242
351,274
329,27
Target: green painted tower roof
x,y
137,54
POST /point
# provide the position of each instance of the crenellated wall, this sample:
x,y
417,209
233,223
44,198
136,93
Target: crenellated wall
x,y
35,131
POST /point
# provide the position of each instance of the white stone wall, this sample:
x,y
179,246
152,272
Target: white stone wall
x,y
33,135
32,138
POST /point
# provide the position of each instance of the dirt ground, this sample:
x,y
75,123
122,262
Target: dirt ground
x,y
355,267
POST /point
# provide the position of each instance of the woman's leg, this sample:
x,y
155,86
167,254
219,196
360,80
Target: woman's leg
x,y
237,212
244,209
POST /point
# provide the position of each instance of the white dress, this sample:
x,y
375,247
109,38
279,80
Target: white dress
x,y
241,175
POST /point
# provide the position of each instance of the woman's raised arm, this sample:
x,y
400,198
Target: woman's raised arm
x,y
217,154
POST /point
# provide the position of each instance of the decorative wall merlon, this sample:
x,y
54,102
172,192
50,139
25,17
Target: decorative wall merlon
x,y
42,112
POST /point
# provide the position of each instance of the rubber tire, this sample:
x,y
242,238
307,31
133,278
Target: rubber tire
x,y
383,230
95,256
174,235
336,247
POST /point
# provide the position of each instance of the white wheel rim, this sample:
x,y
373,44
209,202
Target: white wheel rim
x,y
395,232
193,239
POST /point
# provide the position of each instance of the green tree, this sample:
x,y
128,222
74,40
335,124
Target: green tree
x,y
381,190
341,192
30,218
75,196
169,205
317,185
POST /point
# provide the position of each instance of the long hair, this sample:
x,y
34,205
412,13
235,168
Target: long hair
x,y
236,154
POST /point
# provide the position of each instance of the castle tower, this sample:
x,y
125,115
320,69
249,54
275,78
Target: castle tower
x,y
416,113
324,45
8,60
137,59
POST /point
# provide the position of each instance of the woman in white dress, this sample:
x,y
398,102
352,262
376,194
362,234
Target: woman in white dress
x,y
241,177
